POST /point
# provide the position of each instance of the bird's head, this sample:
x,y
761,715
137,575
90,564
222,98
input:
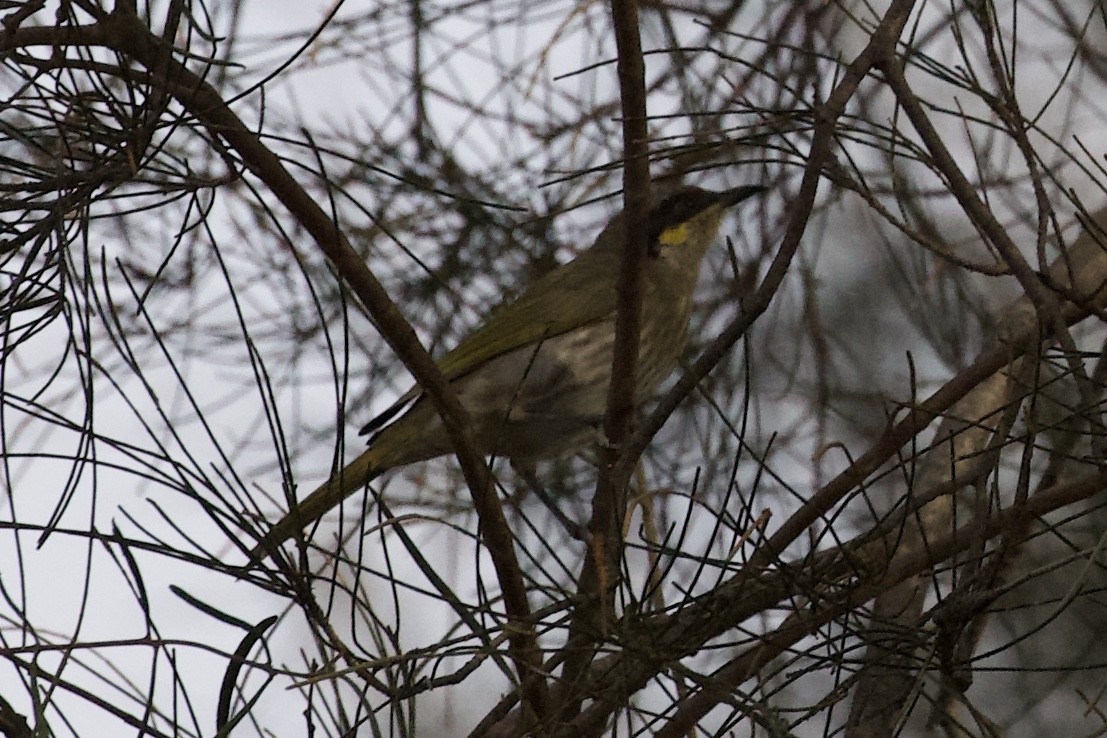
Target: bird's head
x,y
682,223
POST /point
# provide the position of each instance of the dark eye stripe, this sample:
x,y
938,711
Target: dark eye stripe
x,y
677,208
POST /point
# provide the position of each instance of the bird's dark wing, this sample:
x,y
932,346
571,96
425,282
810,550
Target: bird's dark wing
x,y
579,293
576,294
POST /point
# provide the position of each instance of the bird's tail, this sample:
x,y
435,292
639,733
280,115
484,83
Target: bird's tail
x,y
353,477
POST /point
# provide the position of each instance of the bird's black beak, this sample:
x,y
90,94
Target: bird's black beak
x,y
732,197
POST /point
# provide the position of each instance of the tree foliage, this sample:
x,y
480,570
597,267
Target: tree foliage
x,y
870,504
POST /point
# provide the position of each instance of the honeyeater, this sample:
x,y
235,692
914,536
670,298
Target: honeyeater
x,y
534,375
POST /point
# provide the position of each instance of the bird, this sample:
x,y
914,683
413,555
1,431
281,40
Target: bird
x,y
534,376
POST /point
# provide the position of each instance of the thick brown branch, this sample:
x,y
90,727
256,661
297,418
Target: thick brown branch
x,y
600,572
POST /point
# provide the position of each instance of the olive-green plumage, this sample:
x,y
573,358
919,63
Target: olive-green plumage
x,y
534,376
